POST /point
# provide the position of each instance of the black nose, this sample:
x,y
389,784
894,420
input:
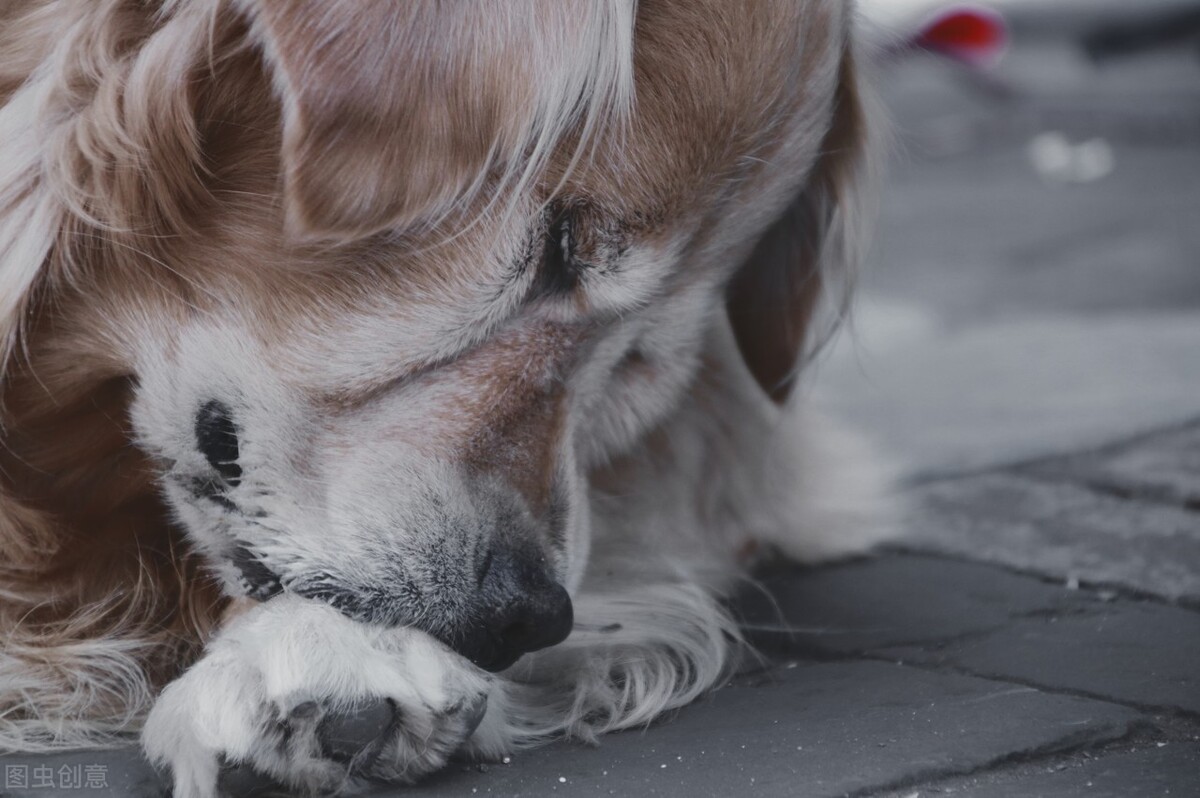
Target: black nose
x,y
520,608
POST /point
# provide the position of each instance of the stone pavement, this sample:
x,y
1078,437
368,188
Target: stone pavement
x,y
900,675
1029,350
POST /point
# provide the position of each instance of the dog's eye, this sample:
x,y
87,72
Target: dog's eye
x,y
559,273
217,438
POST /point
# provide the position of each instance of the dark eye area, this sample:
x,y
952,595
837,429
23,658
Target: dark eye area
x,y
217,438
559,272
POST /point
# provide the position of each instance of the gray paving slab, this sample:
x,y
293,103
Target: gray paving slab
x,y
1163,467
1139,653
1062,530
1024,248
813,730
1156,772
941,399
867,605
804,729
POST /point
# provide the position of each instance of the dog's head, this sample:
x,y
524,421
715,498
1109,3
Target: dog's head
x,y
381,282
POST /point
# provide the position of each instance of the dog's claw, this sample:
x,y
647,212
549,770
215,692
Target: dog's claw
x,y
304,711
347,734
473,715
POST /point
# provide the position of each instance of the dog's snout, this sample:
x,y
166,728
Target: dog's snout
x,y
520,609
516,607
537,620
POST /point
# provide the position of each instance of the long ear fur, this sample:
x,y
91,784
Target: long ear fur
x,y
95,138
393,113
98,602
29,216
811,251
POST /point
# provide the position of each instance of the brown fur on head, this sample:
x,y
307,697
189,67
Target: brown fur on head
x,y
350,215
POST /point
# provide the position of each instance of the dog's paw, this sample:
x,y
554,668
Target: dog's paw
x,y
294,691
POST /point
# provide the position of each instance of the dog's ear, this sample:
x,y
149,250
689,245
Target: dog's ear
x,y
810,251
393,112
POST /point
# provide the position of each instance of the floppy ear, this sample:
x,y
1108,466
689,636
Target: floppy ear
x,y
809,251
395,111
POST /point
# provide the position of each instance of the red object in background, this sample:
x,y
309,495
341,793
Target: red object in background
x,y
976,36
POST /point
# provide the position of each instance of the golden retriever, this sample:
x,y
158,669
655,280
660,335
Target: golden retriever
x,y
356,351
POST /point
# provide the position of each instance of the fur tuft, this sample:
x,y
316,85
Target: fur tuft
x,y
635,654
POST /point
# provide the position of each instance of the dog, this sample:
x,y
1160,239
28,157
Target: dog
x,y
440,354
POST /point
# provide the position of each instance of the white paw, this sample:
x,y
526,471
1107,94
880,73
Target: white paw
x,y
274,687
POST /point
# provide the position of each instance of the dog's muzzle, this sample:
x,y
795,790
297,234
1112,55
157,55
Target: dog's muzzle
x,y
516,607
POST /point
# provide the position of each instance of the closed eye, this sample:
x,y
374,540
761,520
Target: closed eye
x,y
217,439
559,270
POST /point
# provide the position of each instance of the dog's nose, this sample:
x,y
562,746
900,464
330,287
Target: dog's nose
x,y
520,609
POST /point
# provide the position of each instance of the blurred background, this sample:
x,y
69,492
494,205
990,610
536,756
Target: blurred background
x,y
1034,286
1031,305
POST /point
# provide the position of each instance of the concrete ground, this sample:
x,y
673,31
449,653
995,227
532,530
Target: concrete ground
x,y
1028,349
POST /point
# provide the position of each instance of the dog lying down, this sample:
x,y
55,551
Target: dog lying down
x,y
432,354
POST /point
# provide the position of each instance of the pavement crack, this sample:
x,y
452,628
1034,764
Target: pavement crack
x,y
1076,741
1100,592
1112,489
786,642
959,670
798,643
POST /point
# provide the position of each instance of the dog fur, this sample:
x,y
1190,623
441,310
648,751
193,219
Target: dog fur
x,y
454,277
